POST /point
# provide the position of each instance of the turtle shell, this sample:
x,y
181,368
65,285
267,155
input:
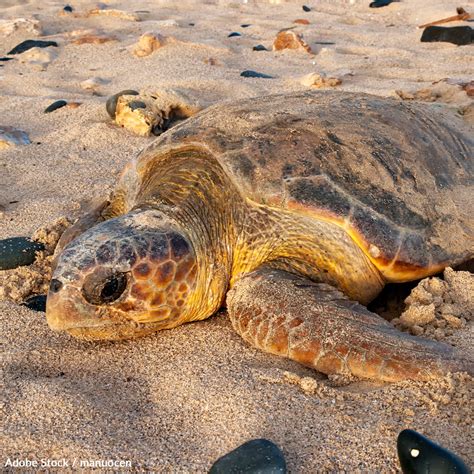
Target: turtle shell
x,y
397,176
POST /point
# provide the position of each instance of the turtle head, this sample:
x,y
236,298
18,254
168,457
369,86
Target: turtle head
x,y
126,277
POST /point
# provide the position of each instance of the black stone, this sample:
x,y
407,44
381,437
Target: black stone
x,y
6,59
234,33
459,35
306,9
54,106
18,251
28,44
256,456
245,25
191,24
36,303
259,47
418,454
249,73
111,103
137,104
380,3
68,9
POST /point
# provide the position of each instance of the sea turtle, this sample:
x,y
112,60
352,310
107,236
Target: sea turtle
x,y
300,208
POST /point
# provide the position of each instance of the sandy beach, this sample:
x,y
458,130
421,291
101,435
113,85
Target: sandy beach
x,y
178,400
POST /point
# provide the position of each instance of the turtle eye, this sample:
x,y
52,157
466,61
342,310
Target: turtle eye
x,y
104,287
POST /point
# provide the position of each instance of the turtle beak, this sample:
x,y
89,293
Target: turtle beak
x,y
66,309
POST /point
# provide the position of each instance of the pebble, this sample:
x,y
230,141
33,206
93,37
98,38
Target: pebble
x,y
245,25
6,59
306,8
459,35
234,33
319,80
36,303
54,106
249,73
301,21
111,104
39,58
29,44
260,47
10,137
256,456
20,25
290,40
418,454
148,43
469,88
380,3
115,13
68,9
18,251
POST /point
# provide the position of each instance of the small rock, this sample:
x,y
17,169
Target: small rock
x,y
249,73
211,61
115,13
10,137
290,40
459,35
20,25
39,58
36,303
306,8
29,44
6,59
92,84
18,251
417,330
94,39
111,104
234,33
320,80
148,43
301,21
418,454
419,315
68,9
469,88
256,456
245,25
260,47
54,106
380,3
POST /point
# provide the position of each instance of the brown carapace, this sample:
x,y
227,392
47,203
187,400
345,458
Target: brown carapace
x,y
298,208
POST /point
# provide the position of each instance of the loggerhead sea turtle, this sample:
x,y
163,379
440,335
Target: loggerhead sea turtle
x,y
298,207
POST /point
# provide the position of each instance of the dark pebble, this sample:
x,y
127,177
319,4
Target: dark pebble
x,y
36,303
111,103
306,9
249,73
68,9
137,104
380,3
54,106
259,47
18,251
6,59
256,456
28,44
191,24
418,454
234,33
245,25
459,35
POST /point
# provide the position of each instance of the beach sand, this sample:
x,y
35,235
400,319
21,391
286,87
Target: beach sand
x,y
176,401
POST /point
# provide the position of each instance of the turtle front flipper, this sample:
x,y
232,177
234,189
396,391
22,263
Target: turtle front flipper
x,y
316,325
